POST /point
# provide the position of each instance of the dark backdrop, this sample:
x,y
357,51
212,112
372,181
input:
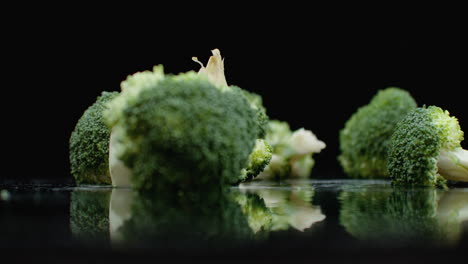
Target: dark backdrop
x,y
311,75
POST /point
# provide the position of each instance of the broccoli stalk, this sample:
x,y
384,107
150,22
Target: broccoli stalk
x,y
426,150
453,165
214,69
119,173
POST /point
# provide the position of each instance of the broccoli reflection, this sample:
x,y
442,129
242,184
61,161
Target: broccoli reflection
x,y
89,211
284,207
180,218
405,216
229,216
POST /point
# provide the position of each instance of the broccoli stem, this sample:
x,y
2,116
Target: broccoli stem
x,y
453,165
119,173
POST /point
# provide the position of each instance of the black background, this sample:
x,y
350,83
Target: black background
x,y
312,66
313,73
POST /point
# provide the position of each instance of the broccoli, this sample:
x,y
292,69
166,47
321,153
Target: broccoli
x,y
89,214
404,216
425,149
292,151
89,144
179,132
365,137
261,154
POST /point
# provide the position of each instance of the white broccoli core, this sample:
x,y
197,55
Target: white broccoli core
x,y
119,212
305,142
214,69
453,165
119,173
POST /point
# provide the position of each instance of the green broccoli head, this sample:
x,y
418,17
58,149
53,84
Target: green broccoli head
x,y
292,151
425,149
404,216
364,140
89,144
258,160
181,132
89,214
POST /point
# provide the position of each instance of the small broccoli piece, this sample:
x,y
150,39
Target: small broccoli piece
x,y
425,149
258,160
89,214
404,216
179,132
89,144
292,151
365,138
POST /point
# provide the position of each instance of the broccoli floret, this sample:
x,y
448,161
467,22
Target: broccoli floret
x,y
89,214
261,154
365,138
256,102
292,151
425,149
404,216
89,144
258,160
180,132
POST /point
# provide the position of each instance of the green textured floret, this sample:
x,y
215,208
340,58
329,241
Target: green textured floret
x,y
256,102
89,144
89,214
258,160
425,149
181,131
364,140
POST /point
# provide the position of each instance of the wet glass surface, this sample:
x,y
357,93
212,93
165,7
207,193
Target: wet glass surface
x,y
292,218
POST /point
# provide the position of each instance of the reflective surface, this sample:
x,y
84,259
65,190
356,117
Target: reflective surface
x,y
306,216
